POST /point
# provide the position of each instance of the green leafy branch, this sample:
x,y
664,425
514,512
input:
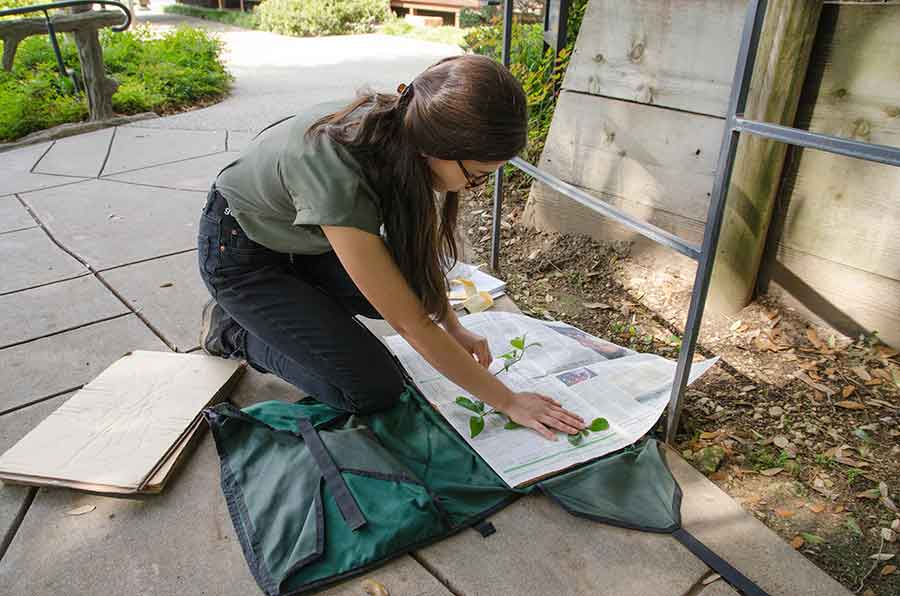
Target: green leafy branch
x,y
480,410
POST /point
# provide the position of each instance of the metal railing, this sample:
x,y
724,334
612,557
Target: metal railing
x,y
45,8
735,123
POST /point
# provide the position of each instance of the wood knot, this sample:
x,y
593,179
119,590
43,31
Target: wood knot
x,y
637,52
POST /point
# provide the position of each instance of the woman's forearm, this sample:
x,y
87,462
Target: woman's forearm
x,y
446,355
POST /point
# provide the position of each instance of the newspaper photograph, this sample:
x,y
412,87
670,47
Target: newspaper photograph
x,y
589,376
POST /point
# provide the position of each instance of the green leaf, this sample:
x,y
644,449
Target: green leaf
x,y
812,538
467,404
599,424
575,440
518,342
480,405
508,356
584,432
853,526
476,425
512,425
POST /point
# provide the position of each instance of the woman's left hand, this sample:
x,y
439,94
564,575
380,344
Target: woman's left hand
x,y
473,344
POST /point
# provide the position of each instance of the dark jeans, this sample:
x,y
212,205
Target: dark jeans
x,y
294,316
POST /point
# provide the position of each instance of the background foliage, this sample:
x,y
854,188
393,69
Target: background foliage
x,y
155,73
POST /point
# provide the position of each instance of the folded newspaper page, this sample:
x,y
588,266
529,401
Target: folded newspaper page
x,y
587,375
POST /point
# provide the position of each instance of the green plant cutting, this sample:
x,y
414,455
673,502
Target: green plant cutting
x,y
480,411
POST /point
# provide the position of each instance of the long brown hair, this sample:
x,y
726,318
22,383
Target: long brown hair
x,y
461,107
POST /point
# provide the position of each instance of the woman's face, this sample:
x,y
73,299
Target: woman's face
x,y
448,175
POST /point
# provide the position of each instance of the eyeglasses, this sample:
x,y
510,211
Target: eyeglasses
x,y
473,181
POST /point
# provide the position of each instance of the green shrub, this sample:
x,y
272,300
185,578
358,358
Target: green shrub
x,y
247,20
473,18
304,18
526,46
178,69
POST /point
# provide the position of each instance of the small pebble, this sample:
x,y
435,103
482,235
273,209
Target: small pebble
x,y
775,411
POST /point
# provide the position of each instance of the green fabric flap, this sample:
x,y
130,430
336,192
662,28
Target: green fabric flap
x,y
632,488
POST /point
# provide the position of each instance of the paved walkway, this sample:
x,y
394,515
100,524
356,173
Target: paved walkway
x,y
97,238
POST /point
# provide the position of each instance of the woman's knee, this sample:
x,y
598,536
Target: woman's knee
x,y
380,395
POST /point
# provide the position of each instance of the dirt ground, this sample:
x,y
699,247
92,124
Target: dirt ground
x,y
797,423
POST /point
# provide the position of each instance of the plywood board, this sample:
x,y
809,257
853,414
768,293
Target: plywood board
x,y
678,54
656,164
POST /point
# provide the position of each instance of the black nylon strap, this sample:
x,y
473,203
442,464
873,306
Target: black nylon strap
x,y
347,505
718,564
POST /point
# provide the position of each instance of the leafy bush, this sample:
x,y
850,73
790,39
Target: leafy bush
x,y
158,74
247,20
321,17
473,18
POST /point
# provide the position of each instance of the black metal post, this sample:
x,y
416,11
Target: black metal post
x,y
756,11
498,175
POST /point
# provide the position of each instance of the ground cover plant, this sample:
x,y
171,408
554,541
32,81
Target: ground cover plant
x,y
164,73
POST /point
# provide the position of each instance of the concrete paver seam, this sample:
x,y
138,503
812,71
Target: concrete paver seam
x,y
112,139
48,283
35,164
226,140
65,330
99,278
17,521
42,188
437,575
156,165
148,185
699,586
148,259
42,399
19,230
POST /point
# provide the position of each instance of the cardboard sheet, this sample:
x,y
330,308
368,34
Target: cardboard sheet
x,y
125,431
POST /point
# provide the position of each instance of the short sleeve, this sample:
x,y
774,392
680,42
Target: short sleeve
x,y
325,187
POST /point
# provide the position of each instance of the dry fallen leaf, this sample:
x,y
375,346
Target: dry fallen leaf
x,y
773,472
736,325
81,510
888,569
374,588
797,542
862,373
847,391
883,488
813,338
850,405
882,556
596,305
711,579
869,592
872,493
784,513
817,508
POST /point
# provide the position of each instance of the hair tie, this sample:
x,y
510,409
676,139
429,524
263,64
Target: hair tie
x,y
403,89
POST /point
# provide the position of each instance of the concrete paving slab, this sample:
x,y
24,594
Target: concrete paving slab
x,y
30,258
239,139
13,427
54,364
540,549
168,292
135,147
718,588
55,307
179,542
80,155
760,554
22,160
17,182
191,174
13,216
401,577
113,223
276,76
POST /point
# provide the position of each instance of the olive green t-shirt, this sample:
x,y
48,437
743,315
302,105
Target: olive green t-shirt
x,y
283,187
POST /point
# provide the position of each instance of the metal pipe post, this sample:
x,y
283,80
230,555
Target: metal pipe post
x,y
743,71
498,175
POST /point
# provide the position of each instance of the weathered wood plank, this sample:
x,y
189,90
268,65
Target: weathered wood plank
x,y
785,43
98,86
842,209
678,53
849,299
657,164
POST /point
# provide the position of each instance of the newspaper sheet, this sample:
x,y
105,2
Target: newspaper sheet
x,y
587,375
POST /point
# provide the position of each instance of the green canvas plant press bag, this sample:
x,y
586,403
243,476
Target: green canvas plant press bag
x,y
317,495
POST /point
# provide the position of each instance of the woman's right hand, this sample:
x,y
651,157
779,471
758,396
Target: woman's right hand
x,y
542,414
